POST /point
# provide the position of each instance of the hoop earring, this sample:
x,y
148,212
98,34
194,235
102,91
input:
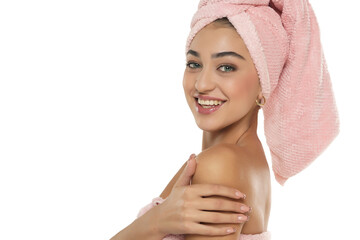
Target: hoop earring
x,y
261,104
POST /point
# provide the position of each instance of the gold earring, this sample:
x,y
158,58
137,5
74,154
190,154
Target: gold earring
x,y
261,104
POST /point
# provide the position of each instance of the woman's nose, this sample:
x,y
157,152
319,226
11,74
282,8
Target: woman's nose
x,y
205,81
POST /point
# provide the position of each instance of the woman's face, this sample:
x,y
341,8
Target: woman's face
x,y
214,70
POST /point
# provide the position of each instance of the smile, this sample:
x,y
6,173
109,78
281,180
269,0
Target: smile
x,y
208,103
207,106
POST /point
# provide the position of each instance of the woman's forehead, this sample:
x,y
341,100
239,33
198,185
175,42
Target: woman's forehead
x,y
214,38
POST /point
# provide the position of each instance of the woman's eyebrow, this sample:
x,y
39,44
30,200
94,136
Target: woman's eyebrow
x,y
217,55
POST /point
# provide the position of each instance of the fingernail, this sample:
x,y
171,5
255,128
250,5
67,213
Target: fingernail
x,y
250,209
245,208
187,162
230,230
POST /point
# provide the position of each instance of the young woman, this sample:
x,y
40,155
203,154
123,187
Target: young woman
x,y
242,56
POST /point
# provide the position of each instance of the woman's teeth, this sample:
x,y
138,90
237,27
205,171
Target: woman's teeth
x,y
209,103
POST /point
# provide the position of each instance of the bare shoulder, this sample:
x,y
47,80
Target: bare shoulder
x,y
234,161
243,168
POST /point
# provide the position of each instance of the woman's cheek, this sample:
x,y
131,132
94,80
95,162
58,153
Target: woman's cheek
x,y
243,94
239,89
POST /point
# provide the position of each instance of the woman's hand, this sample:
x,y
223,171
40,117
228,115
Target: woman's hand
x,y
186,207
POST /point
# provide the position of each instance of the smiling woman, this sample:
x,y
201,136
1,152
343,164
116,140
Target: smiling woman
x,y
221,86
243,56
214,50
95,120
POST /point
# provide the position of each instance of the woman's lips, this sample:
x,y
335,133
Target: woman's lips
x,y
207,109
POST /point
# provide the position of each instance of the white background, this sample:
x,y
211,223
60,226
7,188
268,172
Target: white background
x,y
94,124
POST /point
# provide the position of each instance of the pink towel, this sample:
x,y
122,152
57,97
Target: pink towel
x,y
159,200
283,39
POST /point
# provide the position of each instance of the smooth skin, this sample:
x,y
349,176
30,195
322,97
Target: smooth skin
x,y
232,156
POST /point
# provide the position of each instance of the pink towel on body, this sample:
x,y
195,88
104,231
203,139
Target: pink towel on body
x,y
159,200
283,39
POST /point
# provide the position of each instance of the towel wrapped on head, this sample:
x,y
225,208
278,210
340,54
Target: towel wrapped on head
x,y
283,39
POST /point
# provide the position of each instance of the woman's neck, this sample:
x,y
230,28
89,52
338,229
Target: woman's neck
x,y
235,133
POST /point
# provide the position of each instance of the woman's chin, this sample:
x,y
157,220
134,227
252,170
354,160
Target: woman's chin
x,y
209,126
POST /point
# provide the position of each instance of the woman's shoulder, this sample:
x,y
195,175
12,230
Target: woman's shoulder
x,y
244,169
245,157
236,165
227,153
246,164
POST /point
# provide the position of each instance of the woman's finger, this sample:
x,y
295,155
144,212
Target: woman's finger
x,y
217,204
214,217
208,230
219,217
187,173
216,189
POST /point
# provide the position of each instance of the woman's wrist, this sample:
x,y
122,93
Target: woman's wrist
x,y
151,221
144,227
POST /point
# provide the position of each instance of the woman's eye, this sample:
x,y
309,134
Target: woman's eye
x,y
192,65
227,68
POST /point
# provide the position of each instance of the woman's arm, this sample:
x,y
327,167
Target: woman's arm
x,y
225,164
143,228
169,217
170,185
